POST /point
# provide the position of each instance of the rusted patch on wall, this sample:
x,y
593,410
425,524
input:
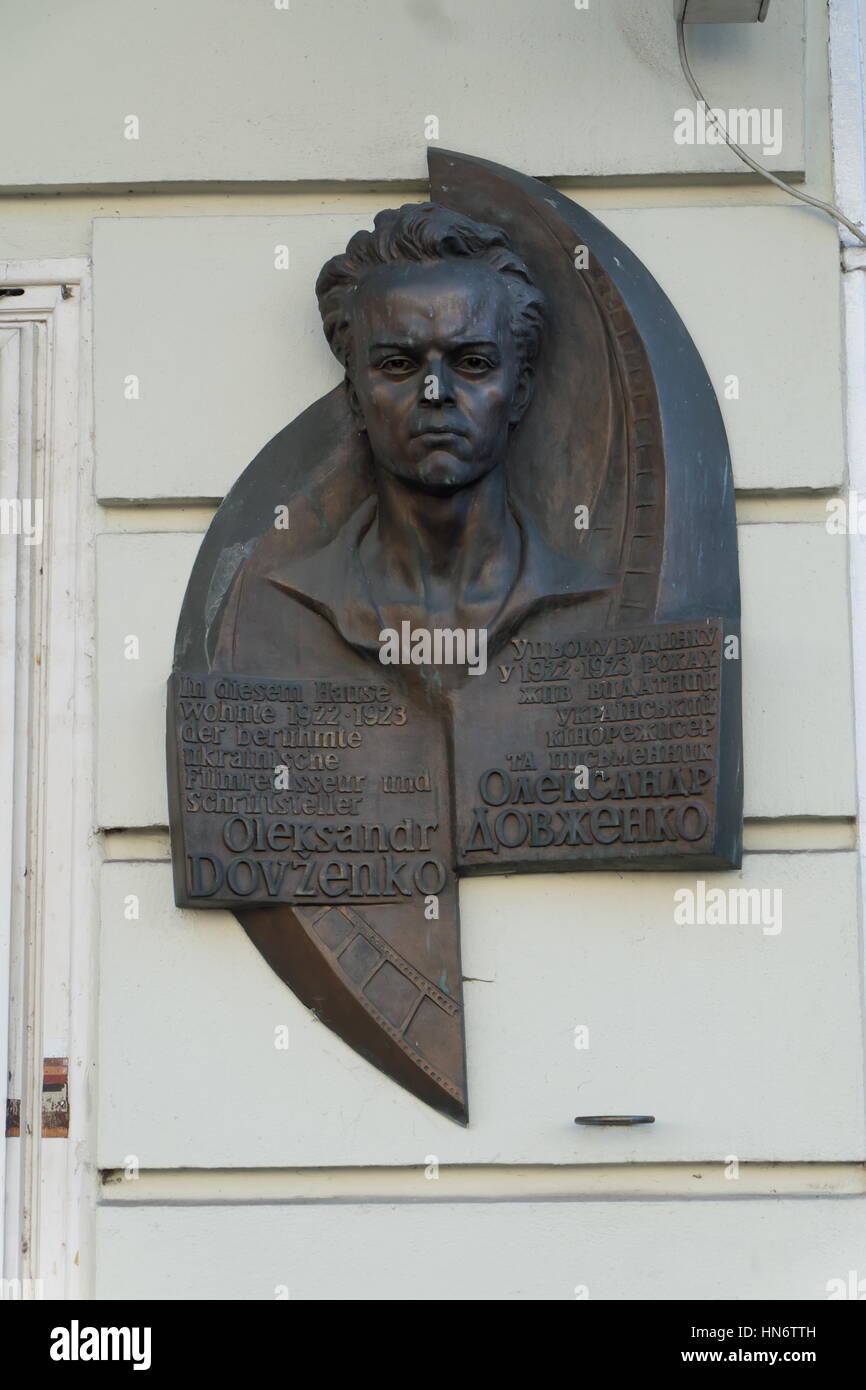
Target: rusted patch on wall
x,y
55,1098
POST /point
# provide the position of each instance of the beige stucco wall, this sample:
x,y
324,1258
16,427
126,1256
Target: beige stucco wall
x,y
230,93
262,127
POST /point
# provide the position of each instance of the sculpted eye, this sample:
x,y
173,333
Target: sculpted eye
x,y
474,362
397,366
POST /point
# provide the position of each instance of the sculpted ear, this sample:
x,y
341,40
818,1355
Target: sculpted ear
x,y
522,393
354,402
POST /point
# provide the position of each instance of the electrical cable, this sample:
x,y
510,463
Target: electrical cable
x,y
747,159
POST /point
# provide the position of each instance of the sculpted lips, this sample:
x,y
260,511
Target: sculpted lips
x,y
448,431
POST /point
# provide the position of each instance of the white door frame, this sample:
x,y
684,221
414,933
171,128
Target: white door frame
x,y
48,851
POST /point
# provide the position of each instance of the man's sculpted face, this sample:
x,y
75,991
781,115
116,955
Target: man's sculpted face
x,y
435,371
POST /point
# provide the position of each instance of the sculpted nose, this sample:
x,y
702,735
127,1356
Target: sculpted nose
x,y
437,387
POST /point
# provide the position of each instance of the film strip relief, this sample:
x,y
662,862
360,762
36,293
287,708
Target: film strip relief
x,y
644,524
363,957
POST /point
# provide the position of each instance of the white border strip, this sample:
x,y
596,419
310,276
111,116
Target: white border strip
x,y
848,100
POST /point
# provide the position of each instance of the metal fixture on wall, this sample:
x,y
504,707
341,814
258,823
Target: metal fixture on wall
x,y
721,11
729,12
614,1119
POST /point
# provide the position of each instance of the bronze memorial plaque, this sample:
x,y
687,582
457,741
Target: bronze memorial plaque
x,y
474,611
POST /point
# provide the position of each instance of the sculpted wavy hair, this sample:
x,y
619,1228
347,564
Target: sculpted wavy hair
x,y
425,233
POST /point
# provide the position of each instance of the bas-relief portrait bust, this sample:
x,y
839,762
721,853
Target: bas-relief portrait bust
x,y
437,324
437,668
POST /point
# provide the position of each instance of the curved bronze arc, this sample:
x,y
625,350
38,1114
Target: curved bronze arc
x,y
678,449
320,463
